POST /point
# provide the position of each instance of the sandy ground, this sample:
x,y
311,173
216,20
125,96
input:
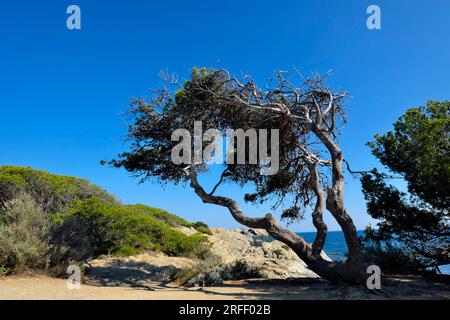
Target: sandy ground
x,y
147,277
45,288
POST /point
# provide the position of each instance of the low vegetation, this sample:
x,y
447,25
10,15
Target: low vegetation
x,y
53,193
49,221
212,271
24,235
127,230
200,227
391,258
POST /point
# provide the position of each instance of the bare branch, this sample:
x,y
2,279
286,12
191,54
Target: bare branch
x,y
222,176
268,222
171,78
317,214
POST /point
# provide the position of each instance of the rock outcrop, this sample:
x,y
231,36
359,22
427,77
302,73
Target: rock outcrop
x,y
274,259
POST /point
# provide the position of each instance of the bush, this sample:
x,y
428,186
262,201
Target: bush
x,y
171,219
54,193
72,243
240,270
24,235
127,230
168,218
204,277
392,259
201,227
79,221
215,273
176,243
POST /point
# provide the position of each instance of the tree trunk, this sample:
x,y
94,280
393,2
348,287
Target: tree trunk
x,y
335,197
349,271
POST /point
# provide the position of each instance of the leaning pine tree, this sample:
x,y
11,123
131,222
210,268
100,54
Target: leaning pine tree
x,y
307,116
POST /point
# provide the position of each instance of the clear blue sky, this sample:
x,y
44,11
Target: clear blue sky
x,y
62,92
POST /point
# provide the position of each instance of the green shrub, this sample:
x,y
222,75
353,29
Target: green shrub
x,y
240,270
211,261
72,243
54,193
127,230
201,227
24,235
166,217
215,273
171,219
392,259
86,221
178,244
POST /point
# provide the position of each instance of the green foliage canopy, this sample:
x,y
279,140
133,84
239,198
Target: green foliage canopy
x,y
127,230
82,221
54,193
417,150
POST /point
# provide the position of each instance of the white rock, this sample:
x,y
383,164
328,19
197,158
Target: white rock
x,y
274,259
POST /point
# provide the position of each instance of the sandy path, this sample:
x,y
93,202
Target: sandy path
x,y
46,288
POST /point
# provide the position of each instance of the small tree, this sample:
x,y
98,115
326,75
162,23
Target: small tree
x,y
417,221
308,117
24,235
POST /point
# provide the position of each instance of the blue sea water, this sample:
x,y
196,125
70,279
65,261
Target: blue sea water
x,y
336,248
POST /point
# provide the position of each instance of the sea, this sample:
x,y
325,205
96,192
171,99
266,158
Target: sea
x,y
336,248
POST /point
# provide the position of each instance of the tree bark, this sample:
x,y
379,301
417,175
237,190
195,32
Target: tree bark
x,y
335,205
335,196
333,271
317,215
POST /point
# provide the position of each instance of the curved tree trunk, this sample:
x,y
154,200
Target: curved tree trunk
x,y
318,118
335,197
309,109
348,271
